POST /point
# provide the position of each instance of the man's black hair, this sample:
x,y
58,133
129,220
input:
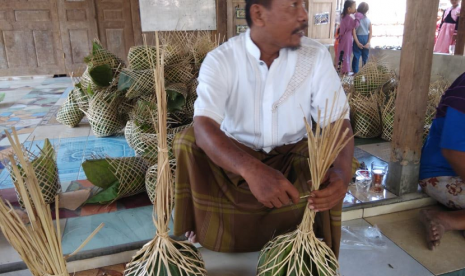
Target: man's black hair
x,y
248,5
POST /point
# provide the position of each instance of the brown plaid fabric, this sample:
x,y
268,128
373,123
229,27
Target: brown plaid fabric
x,y
224,214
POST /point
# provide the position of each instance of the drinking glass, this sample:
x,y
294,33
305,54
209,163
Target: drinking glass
x,y
378,173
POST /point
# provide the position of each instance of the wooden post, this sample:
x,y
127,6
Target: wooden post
x,y
460,45
221,20
415,74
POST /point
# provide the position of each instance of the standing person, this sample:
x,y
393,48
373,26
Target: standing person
x,y
346,38
438,24
242,168
448,28
362,37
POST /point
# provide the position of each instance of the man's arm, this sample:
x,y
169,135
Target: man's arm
x,y
268,185
455,159
338,176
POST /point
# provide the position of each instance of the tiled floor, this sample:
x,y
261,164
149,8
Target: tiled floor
x,y
381,258
31,106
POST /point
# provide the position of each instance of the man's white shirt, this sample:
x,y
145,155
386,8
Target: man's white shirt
x,y
263,107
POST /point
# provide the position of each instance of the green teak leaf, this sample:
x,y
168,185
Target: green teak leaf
x,y
99,173
176,101
124,82
101,75
105,196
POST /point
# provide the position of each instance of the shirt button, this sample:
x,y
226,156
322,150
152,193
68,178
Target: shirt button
x,y
262,63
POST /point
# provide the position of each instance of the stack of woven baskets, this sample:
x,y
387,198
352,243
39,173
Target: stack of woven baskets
x,y
372,101
114,96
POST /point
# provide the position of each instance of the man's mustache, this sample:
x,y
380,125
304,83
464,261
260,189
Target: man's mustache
x,y
303,27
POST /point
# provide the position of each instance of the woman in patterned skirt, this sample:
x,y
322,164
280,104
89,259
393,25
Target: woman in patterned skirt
x,y
442,169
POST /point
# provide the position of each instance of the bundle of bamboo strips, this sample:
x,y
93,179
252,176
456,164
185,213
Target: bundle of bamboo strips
x,y
301,253
38,242
163,255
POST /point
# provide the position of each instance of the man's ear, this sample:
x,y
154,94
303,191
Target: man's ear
x,y
258,15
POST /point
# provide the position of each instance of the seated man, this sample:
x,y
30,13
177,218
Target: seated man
x,y
442,169
242,169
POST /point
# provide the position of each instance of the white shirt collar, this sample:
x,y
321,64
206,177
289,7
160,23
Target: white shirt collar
x,y
253,49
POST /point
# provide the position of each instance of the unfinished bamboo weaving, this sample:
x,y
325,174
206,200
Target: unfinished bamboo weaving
x,y
69,113
164,256
45,168
365,115
38,243
300,253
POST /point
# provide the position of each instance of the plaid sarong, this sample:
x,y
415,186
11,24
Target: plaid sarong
x,y
220,208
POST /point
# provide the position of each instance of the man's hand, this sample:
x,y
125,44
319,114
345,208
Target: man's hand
x,y
332,194
367,46
270,187
359,45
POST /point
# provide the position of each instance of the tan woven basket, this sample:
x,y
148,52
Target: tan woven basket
x,y
151,179
139,57
103,114
142,81
86,81
365,115
130,171
387,114
371,78
69,113
46,170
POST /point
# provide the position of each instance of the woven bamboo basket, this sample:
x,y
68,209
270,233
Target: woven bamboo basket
x,y
103,114
365,115
87,82
101,56
177,48
179,73
202,44
69,113
152,176
371,78
140,82
388,111
118,177
46,171
139,57
82,98
436,90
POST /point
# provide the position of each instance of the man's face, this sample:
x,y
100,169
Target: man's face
x,y
285,22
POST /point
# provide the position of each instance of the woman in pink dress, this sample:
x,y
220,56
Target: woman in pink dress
x,y
346,39
448,28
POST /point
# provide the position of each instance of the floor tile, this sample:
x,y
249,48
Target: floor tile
x,y
18,273
22,138
122,227
7,253
380,150
386,260
352,214
398,207
406,230
59,131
